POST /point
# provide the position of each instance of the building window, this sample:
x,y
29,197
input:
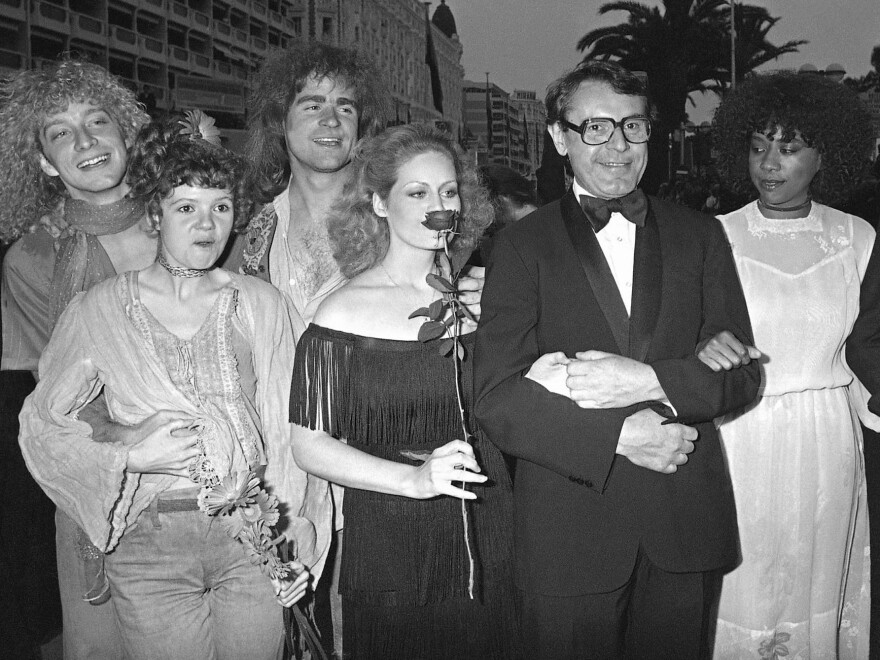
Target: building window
x,y
327,26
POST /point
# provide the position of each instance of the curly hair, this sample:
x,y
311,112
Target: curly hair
x,y
163,158
360,238
829,117
280,78
621,80
26,100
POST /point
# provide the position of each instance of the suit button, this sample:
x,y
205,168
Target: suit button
x,y
261,268
588,483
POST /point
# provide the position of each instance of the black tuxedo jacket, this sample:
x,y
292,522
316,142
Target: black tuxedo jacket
x,y
863,343
583,512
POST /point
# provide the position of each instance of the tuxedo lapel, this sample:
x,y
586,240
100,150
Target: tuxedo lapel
x,y
596,269
647,288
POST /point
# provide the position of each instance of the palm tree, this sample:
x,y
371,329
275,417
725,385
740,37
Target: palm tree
x,y
684,47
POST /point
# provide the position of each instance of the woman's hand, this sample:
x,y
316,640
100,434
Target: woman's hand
x,y
452,462
291,589
725,352
550,371
166,446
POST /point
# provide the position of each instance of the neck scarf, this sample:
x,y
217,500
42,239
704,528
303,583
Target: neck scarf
x,y
81,261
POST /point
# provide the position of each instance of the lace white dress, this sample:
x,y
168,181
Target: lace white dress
x,y
802,590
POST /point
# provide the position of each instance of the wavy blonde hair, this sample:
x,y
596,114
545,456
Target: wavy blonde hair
x,y
359,237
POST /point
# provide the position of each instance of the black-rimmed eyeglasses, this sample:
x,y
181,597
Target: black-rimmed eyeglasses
x,y
598,130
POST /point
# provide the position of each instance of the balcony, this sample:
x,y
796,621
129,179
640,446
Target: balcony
x,y
50,17
15,10
222,69
239,72
222,31
151,48
179,12
158,4
241,37
87,28
200,63
178,56
259,9
123,39
201,21
258,44
10,60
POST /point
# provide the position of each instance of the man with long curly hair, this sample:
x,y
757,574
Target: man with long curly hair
x,y
310,105
65,130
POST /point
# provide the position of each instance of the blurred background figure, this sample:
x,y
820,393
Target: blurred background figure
x,y
512,197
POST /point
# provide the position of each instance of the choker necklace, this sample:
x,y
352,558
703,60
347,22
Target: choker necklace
x,y
786,209
179,271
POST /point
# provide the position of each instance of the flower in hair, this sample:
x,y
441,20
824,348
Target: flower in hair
x,y
200,126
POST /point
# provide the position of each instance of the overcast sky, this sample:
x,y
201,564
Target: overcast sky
x,y
525,44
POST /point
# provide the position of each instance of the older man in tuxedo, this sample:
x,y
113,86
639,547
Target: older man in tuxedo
x,y
624,509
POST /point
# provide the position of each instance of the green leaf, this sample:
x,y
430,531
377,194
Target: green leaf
x,y
446,346
437,310
431,330
461,351
439,283
421,311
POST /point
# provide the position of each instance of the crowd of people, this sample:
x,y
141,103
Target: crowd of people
x,y
282,380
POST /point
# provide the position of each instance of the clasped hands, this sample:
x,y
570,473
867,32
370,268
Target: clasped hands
x,y
599,380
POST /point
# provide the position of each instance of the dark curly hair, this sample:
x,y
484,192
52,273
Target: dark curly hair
x,y
359,237
163,157
280,78
26,100
828,115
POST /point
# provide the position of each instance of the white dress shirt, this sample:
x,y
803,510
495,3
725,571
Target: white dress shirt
x,y
618,242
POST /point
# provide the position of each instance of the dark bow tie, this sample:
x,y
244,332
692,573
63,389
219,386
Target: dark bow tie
x,y
633,206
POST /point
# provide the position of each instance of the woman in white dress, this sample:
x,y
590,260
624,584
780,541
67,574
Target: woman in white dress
x,y
795,456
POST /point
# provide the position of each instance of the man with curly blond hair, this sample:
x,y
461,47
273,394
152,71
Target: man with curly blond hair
x,y
65,131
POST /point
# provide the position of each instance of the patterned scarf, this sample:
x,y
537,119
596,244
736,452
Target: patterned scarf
x,y
81,261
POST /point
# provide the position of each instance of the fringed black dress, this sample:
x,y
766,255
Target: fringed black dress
x,y
405,565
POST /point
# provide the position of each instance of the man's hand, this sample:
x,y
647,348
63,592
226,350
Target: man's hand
x,y
605,380
549,370
655,446
470,284
724,351
163,443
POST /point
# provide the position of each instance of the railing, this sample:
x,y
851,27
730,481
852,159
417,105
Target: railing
x,y
123,37
180,10
240,35
179,54
199,60
259,8
222,29
202,20
258,44
85,26
151,48
51,16
11,60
